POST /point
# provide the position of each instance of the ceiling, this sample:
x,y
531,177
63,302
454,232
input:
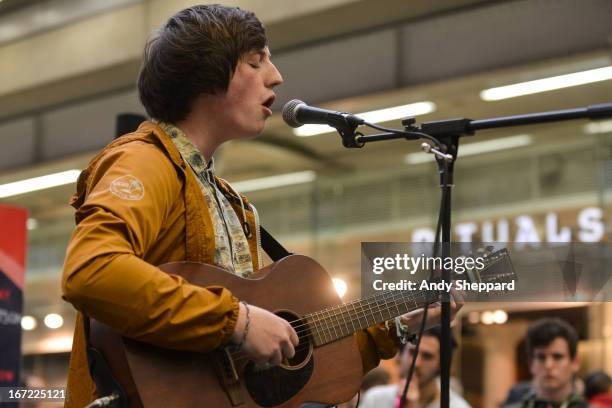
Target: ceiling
x,y
278,151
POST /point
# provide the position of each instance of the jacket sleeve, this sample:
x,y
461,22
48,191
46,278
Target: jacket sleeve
x,y
130,192
376,343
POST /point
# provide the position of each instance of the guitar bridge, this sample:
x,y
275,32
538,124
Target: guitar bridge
x,y
228,376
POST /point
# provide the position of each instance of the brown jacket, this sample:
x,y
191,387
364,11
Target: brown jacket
x,y
138,205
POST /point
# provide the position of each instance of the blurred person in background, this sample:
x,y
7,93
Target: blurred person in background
x,y
424,391
377,376
598,390
152,197
553,363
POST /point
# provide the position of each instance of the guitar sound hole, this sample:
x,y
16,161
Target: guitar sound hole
x,y
304,349
272,386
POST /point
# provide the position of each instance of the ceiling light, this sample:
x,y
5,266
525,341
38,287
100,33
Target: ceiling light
x,y
547,84
475,148
56,344
32,224
487,318
340,286
38,183
28,323
474,317
275,181
601,126
54,321
377,116
500,316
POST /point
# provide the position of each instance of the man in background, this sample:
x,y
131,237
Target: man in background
x,y
424,391
598,389
551,350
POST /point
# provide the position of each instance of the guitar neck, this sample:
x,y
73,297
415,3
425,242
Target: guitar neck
x,y
329,325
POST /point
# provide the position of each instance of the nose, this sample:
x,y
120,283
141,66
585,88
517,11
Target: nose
x,y
549,362
418,362
275,77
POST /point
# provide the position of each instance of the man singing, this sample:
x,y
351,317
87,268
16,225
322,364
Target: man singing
x,y
152,197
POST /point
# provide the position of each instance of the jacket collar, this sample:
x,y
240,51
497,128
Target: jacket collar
x,y
157,133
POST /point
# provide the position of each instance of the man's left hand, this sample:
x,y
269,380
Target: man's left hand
x,y
413,319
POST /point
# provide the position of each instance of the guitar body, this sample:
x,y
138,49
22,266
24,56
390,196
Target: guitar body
x,y
292,287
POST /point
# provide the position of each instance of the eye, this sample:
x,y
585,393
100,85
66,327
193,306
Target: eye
x,y
427,356
256,60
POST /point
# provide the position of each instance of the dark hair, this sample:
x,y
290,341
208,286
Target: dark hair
x,y
195,53
435,331
374,377
596,383
544,331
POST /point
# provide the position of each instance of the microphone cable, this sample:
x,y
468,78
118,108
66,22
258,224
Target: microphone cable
x,y
403,397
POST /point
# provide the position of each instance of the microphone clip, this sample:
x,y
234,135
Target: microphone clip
x,y
346,128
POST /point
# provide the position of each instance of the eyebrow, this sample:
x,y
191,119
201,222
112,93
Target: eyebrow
x,y
264,54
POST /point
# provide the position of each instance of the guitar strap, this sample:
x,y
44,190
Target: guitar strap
x,y
273,248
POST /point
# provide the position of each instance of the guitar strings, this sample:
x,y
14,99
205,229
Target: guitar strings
x,y
333,316
240,355
364,305
331,311
330,329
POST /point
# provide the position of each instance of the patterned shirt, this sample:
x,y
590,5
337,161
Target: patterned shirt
x,y
231,246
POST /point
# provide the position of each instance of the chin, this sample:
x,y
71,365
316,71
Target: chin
x,y
256,128
259,130
255,133
551,385
251,133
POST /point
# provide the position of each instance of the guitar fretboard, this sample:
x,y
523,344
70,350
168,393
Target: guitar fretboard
x,y
329,325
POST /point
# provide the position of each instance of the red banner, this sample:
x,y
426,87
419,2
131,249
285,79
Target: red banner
x,y
13,235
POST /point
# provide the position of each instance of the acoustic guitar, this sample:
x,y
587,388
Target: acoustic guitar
x,y
326,367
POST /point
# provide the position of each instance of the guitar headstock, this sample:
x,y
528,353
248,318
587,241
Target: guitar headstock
x,y
497,267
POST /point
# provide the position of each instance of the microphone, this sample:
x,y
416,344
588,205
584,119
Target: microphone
x,y
296,113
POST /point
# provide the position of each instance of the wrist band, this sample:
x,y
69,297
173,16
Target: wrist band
x,y
246,326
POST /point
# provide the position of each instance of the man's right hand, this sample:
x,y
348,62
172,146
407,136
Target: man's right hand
x,y
270,339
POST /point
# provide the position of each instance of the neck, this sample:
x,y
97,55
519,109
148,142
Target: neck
x,y
203,125
200,135
557,395
428,393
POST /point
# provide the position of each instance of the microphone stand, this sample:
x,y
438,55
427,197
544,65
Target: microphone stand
x,y
444,136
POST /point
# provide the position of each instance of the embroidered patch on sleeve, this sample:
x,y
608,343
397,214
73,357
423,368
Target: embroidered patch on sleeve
x,y
127,187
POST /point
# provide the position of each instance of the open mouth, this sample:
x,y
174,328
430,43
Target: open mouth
x,y
268,102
